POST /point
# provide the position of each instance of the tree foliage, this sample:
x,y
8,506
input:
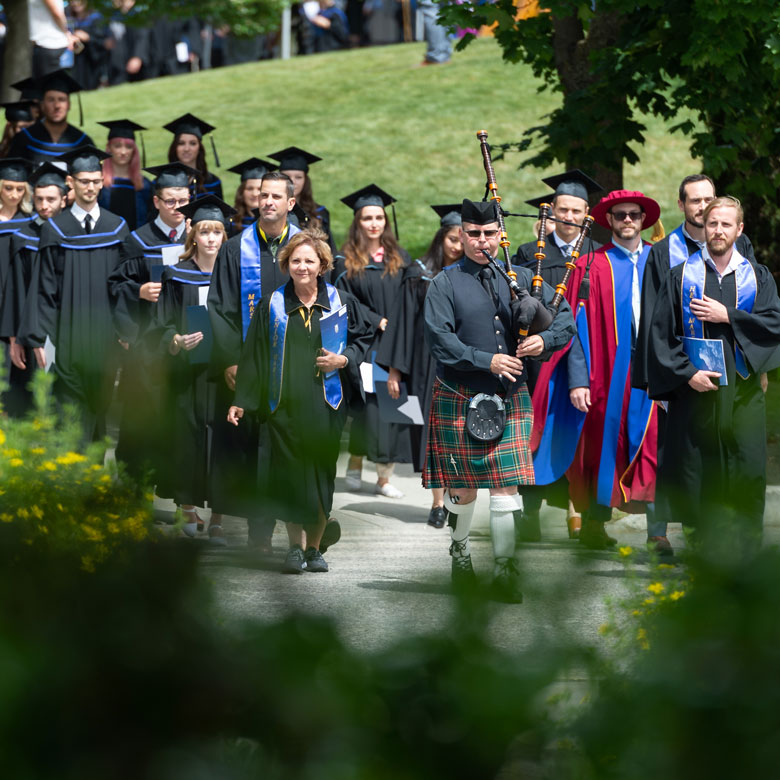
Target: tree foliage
x,y
614,62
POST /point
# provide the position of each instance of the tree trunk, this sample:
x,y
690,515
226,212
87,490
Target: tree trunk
x,y
17,59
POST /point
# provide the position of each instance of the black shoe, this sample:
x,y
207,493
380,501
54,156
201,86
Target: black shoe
x,y
295,562
437,517
314,560
527,527
594,536
330,535
506,583
462,571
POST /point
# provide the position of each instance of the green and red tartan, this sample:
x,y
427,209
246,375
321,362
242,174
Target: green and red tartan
x,y
455,460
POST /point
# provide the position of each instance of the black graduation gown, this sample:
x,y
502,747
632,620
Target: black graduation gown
x,y
35,142
212,186
17,400
376,291
122,198
247,446
304,430
144,441
7,230
190,395
656,272
403,348
73,307
714,461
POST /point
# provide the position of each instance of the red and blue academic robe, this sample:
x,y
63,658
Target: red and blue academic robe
x,y
609,454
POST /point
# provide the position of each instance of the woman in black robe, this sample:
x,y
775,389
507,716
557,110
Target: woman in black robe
x,y
301,391
194,400
125,192
187,148
404,353
371,267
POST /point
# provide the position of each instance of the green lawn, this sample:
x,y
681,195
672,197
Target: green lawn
x,y
373,115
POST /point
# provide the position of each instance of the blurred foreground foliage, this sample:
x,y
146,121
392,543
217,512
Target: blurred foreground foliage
x,y
126,670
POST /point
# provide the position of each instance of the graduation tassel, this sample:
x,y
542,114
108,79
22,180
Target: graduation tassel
x,y
395,221
81,110
214,150
143,150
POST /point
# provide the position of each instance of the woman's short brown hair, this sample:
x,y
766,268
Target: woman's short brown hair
x,y
314,238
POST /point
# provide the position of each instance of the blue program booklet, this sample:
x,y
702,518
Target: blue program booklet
x,y
333,330
706,355
198,320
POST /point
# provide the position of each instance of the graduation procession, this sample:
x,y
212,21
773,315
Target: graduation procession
x,y
232,347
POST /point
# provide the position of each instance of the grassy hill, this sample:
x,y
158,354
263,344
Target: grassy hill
x,y
375,115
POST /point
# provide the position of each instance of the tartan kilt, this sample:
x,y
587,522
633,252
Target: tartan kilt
x,y
455,460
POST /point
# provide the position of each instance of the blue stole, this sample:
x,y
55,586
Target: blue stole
x,y
331,382
251,279
85,240
189,276
640,406
693,277
678,248
12,225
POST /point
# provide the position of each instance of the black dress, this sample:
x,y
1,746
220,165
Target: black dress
x,y
379,441
404,348
304,430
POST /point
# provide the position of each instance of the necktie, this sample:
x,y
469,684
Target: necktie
x,y
88,224
486,278
635,298
172,235
567,250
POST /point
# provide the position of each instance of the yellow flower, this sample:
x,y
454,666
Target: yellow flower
x,y
665,566
15,462
641,636
43,529
604,628
625,551
22,512
656,587
37,451
678,594
105,478
71,457
6,518
2,438
636,612
37,511
48,465
87,564
648,602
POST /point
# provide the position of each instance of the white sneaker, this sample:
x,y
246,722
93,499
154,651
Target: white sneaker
x,y
388,491
353,480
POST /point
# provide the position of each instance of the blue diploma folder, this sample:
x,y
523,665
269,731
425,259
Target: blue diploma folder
x,y
197,319
706,355
333,331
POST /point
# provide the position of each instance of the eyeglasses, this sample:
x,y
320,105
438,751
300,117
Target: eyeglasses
x,y
477,233
88,182
620,216
173,203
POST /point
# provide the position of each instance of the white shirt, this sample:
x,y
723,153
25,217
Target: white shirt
x,y
561,244
735,259
44,30
167,228
81,215
696,241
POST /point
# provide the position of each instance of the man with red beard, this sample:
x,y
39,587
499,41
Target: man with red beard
x,y
714,330
589,424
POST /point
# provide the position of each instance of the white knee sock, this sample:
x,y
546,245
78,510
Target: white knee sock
x,y
459,517
502,524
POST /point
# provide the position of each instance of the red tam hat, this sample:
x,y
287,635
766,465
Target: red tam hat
x,y
648,205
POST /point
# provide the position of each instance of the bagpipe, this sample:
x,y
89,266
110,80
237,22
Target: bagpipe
x,y
530,314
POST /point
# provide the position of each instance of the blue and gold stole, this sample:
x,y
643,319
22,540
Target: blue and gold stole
x,y
251,281
331,382
693,277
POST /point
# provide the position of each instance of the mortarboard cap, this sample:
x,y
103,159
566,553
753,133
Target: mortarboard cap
x,y
574,183
20,111
208,207
47,175
368,196
15,169
188,123
85,159
58,80
29,89
536,202
121,128
478,212
173,174
294,159
449,214
253,168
